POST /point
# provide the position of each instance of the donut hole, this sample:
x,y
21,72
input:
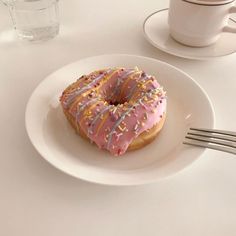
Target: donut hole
x,y
118,91
116,101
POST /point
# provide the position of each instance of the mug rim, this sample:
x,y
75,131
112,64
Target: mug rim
x,y
209,3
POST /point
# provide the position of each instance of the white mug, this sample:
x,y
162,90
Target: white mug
x,y
199,23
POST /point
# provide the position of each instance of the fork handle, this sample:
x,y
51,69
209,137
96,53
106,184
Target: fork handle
x,y
214,147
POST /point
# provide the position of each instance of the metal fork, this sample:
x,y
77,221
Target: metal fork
x,y
220,140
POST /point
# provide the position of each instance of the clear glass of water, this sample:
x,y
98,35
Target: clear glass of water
x,y
35,20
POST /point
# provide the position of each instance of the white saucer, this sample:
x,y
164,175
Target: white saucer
x,y
53,137
156,31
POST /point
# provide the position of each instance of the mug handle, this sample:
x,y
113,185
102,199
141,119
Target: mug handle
x,y
230,29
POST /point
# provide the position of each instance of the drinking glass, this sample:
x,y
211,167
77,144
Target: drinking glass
x,y
35,20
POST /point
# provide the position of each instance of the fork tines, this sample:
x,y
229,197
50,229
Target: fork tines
x,y
211,138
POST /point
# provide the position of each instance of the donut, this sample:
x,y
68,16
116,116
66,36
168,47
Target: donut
x,y
118,109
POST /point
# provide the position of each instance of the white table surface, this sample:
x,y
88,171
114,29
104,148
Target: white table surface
x,y
36,199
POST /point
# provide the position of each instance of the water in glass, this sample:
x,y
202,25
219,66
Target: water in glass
x,y
35,20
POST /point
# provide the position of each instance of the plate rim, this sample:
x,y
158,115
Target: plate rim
x,y
154,44
64,170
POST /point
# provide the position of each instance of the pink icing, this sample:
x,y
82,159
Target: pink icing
x,y
114,127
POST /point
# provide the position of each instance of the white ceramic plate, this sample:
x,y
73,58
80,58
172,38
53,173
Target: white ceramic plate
x,y
156,31
56,141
